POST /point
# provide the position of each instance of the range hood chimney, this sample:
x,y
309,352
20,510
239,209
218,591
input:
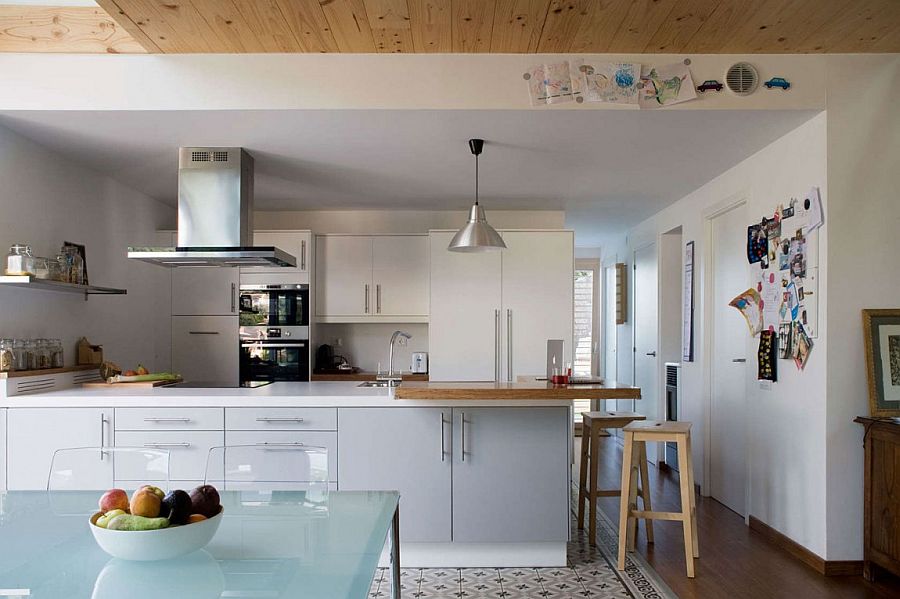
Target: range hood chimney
x,y
215,214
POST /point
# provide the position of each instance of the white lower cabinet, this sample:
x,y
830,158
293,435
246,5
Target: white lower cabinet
x,y
274,462
188,451
511,474
402,449
34,434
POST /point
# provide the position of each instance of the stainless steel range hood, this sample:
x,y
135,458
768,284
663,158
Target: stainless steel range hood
x,y
215,214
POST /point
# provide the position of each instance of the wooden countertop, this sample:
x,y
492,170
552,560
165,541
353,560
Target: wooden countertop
x,y
363,376
520,390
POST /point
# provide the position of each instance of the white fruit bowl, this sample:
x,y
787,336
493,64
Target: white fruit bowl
x,y
153,545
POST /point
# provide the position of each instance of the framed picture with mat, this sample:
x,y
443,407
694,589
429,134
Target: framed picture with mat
x,y
881,332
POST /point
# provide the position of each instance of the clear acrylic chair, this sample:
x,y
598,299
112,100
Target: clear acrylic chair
x,y
98,469
268,469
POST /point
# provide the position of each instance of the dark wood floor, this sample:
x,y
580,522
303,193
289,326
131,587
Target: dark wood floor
x,y
735,562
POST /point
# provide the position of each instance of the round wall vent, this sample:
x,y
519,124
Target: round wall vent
x,y
742,78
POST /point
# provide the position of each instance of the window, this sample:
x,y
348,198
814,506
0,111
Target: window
x,y
587,325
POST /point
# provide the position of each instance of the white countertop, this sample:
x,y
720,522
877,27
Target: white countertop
x,y
327,394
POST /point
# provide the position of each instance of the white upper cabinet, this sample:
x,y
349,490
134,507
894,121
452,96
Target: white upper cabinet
x,y
493,312
344,276
296,243
538,298
464,323
362,278
400,274
205,291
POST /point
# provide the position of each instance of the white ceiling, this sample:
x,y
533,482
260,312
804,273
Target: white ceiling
x,y
609,169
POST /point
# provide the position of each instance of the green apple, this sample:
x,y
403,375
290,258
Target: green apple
x,y
104,520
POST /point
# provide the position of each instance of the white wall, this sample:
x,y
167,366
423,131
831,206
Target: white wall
x,y
366,345
786,430
45,200
863,250
393,222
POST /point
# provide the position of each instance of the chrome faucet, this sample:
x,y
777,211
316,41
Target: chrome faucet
x,y
390,372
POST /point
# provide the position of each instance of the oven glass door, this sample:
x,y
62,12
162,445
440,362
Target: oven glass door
x,y
274,307
274,361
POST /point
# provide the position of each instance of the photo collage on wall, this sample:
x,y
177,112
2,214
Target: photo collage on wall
x,y
775,307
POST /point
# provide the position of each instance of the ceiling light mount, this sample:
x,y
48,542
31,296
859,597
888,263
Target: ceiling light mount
x,y
476,235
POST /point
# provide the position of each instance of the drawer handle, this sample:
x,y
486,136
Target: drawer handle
x,y
279,419
292,444
167,419
203,332
158,445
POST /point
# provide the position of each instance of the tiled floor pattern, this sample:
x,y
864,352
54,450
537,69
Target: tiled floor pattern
x,y
590,573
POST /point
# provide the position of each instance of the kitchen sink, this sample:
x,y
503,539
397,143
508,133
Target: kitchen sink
x,y
393,383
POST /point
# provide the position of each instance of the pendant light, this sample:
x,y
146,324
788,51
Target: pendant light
x,y
476,235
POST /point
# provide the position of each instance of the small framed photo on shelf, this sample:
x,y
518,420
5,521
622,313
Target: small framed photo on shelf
x,y
881,331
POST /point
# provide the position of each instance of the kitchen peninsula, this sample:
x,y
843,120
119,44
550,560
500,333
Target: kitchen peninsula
x,y
483,480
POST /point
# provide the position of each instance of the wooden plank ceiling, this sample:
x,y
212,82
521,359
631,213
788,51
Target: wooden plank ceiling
x,y
496,26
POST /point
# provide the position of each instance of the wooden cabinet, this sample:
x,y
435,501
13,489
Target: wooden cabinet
x,y
205,348
361,278
35,433
493,312
205,291
510,475
881,528
403,449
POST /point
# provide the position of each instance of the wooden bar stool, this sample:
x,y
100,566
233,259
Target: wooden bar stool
x,y
594,425
636,436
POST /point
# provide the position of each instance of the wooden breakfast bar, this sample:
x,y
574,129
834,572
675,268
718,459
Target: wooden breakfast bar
x,y
521,390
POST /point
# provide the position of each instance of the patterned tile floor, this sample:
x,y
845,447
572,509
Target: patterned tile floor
x,y
590,573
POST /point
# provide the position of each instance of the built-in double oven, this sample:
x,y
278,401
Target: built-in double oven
x,y
274,333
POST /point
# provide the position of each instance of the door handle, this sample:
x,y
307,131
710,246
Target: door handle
x,y
443,450
462,436
739,360
652,354
367,298
233,288
497,345
378,298
509,356
261,419
303,255
159,445
185,420
203,332
102,434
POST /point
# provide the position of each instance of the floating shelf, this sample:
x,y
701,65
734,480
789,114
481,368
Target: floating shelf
x,y
46,371
29,282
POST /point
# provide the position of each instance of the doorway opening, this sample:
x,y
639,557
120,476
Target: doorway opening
x,y
586,353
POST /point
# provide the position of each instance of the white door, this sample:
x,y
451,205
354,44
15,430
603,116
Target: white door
x,y
510,474
610,329
400,274
406,450
538,302
344,275
464,321
646,336
205,291
35,433
728,411
295,243
206,349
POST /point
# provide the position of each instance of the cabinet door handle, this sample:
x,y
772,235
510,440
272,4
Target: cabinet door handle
x,y
203,332
159,445
303,255
462,436
652,354
497,345
739,360
509,356
102,435
233,289
262,419
279,446
185,420
443,450
367,298
378,298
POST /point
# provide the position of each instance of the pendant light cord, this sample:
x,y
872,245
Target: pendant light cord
x,y
476,179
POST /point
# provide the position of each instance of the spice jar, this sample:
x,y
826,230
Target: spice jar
x,y
7,356
57,359
20,260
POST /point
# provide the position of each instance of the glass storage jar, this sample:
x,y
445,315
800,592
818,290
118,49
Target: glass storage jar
x,y
20,260
41,268
57,358
41,354
7,355
24,352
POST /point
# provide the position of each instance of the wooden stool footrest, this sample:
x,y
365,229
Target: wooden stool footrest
x,y
658,515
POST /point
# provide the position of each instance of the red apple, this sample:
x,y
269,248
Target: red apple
x,y
114,499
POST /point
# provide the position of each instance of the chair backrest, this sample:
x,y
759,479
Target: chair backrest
x,y
102,468
268,467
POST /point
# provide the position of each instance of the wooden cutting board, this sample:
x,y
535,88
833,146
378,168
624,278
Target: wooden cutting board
x,y
137,385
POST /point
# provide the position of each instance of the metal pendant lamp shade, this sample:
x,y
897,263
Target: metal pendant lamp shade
x,y
476,235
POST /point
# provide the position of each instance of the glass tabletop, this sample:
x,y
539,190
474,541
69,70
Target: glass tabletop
x,y
268,545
